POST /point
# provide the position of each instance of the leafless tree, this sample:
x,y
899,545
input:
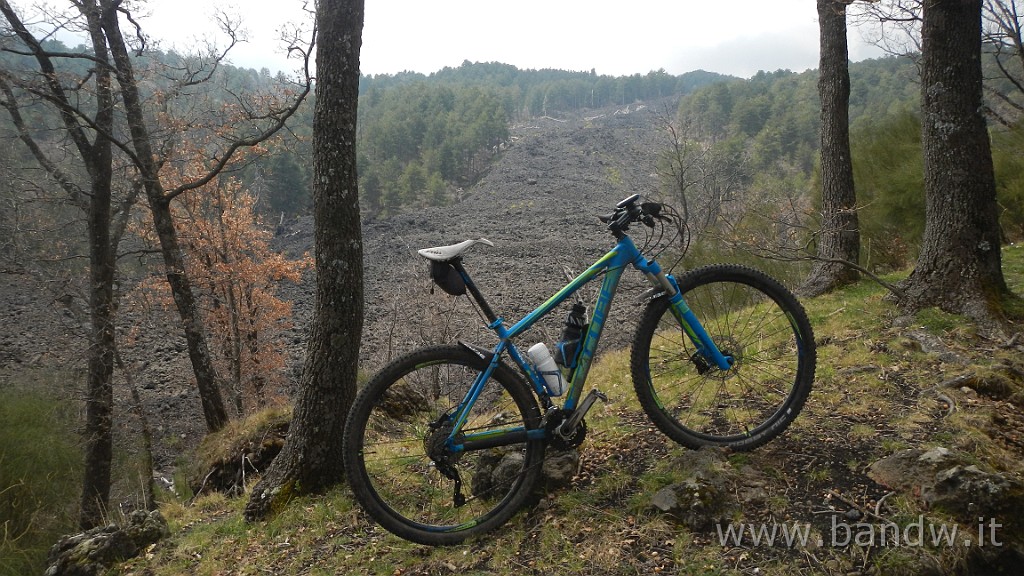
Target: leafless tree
x,y
1003,37
959,268
700,178
893,25
90,134
838,240
107,114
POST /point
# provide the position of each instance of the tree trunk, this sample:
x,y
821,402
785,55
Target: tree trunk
x,y
97,157
149,488
839,238
311,458
207,379
100,394
959,268
232,332
102,266
252,338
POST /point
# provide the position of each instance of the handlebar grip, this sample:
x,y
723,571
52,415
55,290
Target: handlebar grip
x,y
630,210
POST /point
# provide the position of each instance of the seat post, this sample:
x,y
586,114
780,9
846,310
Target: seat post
x,y
484,306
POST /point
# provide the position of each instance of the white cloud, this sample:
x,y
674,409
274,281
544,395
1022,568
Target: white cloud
x,y
745,57
618,37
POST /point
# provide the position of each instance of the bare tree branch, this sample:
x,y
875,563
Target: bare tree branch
x,y
10,102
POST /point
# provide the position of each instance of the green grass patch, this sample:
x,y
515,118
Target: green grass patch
x,y
40,470
238,437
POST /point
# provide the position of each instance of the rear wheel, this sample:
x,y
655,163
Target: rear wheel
x,y
750,317
400,466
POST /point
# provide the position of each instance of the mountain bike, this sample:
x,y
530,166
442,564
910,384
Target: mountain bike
x,y
447,442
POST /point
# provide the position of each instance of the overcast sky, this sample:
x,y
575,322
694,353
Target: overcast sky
x,y
736,37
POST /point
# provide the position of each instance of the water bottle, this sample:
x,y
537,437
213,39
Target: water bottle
x,y
568,348
545,364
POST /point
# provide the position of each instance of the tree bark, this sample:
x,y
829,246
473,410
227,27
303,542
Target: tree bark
x,y
102,266
207,378
87,111
959,268
839,238
311,458
100,395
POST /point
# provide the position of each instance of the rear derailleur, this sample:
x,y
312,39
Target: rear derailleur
x,y
445,460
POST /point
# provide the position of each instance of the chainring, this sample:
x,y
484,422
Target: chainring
x,y
553,421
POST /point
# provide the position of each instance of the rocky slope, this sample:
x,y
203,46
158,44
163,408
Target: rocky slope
x,y
538,203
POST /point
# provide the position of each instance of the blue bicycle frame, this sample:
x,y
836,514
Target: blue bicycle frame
x,y
612,265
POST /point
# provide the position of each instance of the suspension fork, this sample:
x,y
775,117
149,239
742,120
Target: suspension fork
x,y
706,347
710,354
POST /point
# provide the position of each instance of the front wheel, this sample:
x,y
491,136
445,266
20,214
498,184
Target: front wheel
x,y
750,317
401,466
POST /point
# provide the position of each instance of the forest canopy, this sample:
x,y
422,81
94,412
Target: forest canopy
x,y
423,138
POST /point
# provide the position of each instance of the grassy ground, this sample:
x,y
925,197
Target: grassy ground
x,y
881,387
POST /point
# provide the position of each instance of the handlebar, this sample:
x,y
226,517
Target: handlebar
x,y
631,210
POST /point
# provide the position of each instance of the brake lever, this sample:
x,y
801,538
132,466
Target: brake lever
x,y
622,222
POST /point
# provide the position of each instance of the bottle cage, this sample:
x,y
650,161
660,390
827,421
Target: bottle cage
x,y
447,277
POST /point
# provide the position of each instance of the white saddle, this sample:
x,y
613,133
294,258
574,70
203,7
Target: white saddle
x,y
446,253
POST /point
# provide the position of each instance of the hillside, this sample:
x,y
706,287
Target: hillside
x,y
889,389
538,204
886,385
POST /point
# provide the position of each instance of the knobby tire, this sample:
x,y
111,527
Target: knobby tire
x,y
388,435
749,316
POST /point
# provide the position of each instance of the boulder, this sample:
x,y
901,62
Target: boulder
x,y
942,480
908,470
93,552
993,501
702,498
